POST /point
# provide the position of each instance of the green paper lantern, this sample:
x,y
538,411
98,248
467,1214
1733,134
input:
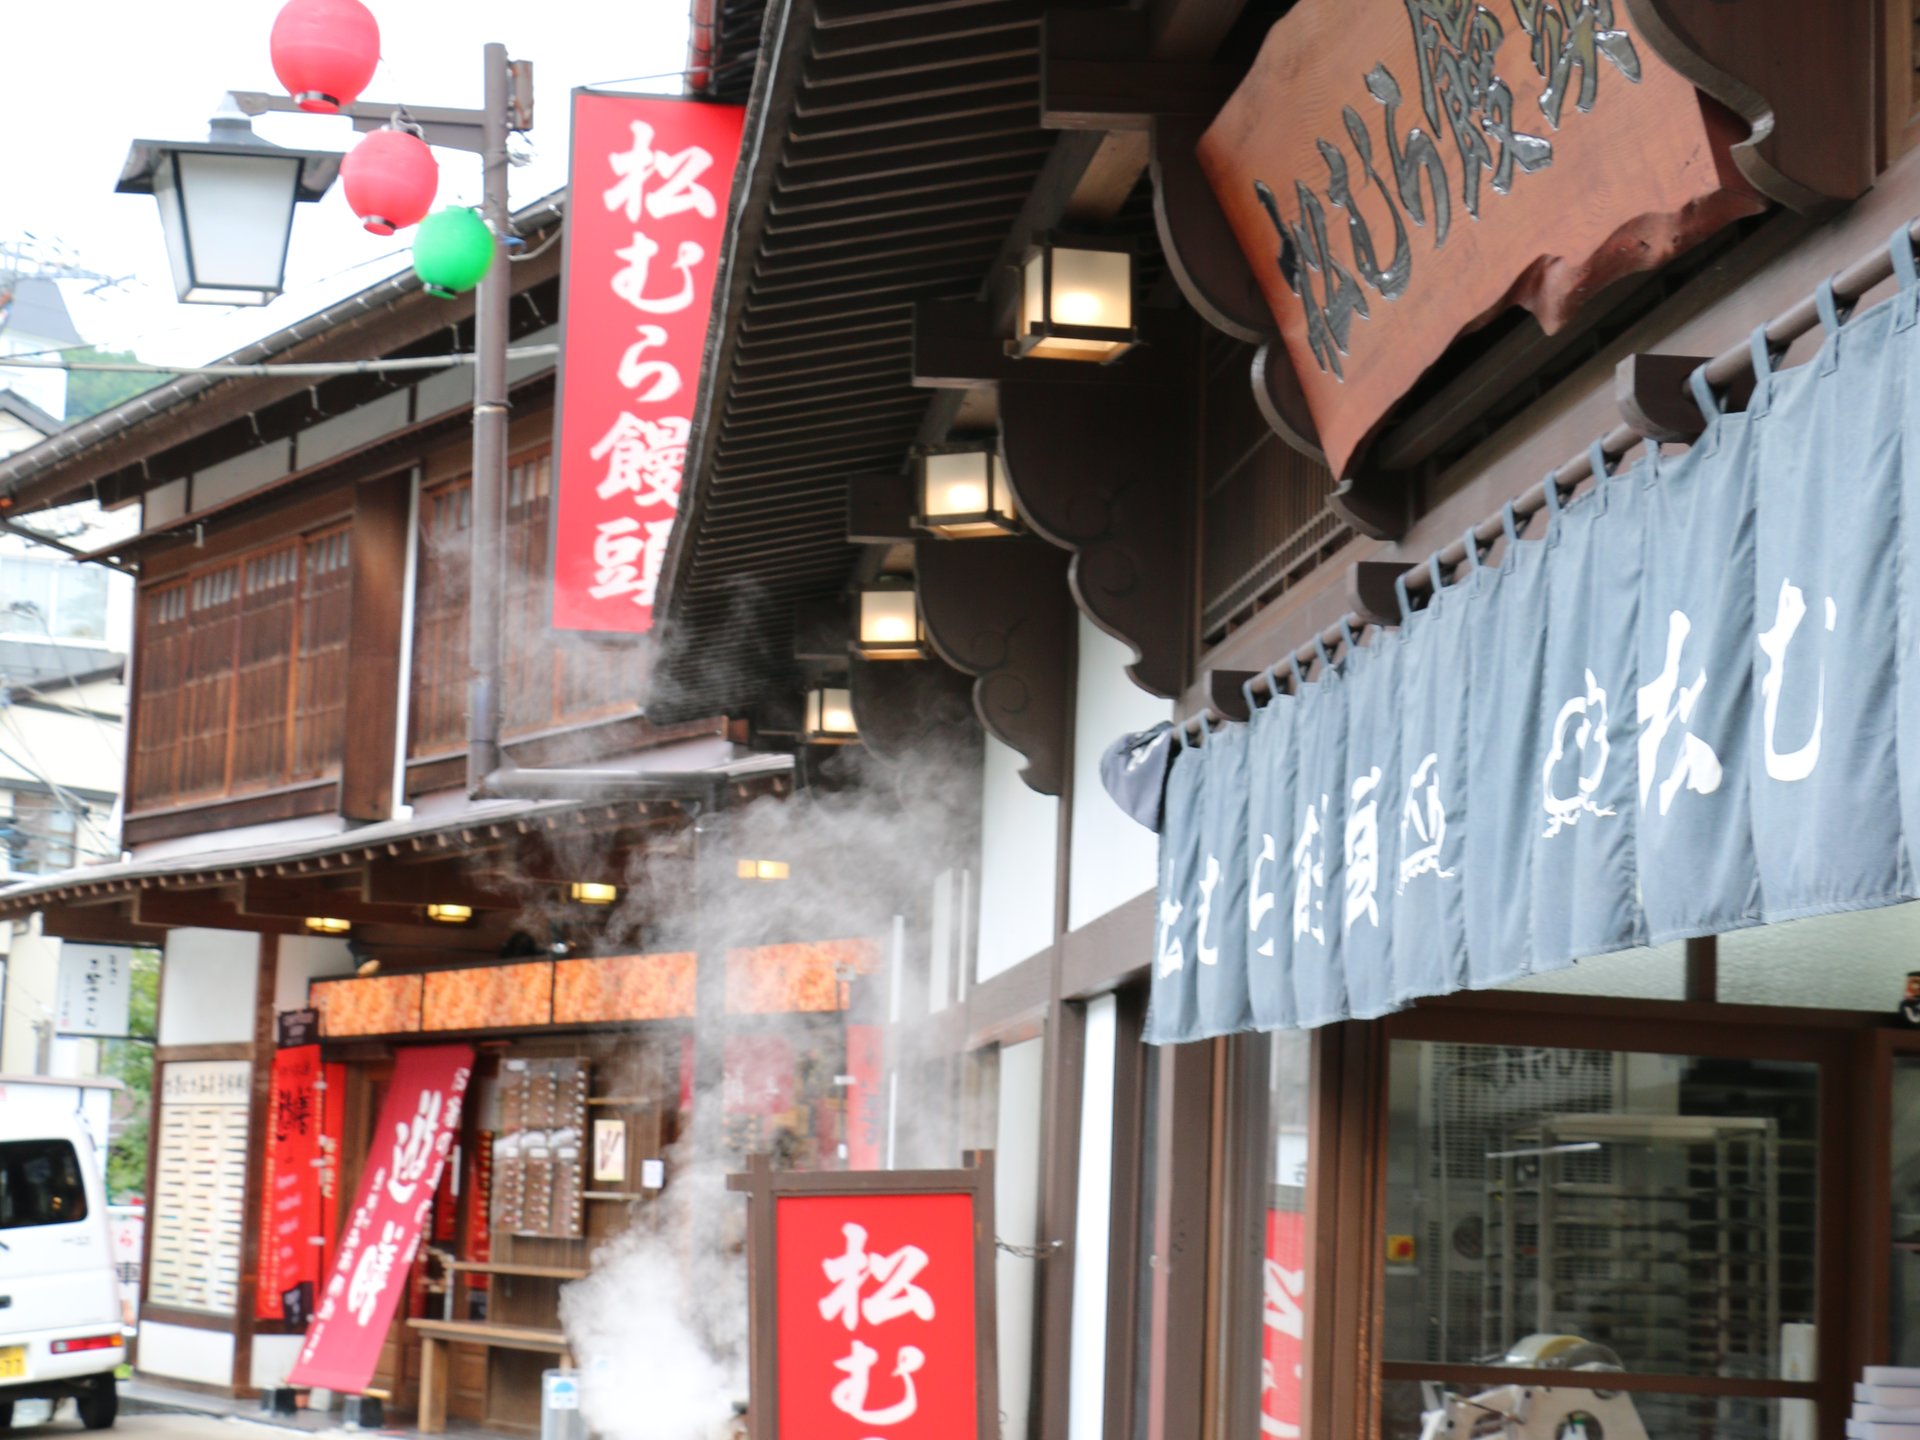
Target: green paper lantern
x,y
451,251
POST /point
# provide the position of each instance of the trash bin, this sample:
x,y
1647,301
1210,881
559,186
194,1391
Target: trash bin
x,y
560,1417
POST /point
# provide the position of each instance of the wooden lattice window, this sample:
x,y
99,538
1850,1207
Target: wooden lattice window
x,y
548,679
241,681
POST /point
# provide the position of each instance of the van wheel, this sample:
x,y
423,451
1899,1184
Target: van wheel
x,y
100,1405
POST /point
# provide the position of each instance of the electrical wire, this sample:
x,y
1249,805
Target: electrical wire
x,y
301,368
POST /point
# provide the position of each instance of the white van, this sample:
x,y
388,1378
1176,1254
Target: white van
x,y
59,1295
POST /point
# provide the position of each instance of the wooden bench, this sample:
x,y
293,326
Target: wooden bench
x,y
436,1335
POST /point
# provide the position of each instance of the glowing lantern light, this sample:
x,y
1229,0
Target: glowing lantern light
x,y
1076,301
325,52
390,178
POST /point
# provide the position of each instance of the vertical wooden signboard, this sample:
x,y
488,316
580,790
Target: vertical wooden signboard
x,y
872,1303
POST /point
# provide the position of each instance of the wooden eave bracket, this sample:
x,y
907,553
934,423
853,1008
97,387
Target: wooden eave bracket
x,y
999,610
913,709
1100,459
879,509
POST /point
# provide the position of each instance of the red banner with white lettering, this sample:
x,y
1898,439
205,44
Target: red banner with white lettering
x,y
875,1298
416,1130
1283,1288
650,180
291,1228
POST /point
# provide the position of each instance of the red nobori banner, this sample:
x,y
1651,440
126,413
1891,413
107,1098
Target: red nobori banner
x,y
417,1127
291,1223
873,1304
647,210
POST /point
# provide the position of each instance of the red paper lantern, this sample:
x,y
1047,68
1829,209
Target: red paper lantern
x,y
325,51
390,179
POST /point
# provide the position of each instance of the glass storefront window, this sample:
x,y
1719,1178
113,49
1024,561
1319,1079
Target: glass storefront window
x,y
1556,1208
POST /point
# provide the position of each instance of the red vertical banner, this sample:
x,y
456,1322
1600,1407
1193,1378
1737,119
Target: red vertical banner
x,y
875,1300
866,1099
411,1142
650,179
1283,1288
290,1220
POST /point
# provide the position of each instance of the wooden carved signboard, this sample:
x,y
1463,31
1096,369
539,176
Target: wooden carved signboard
x,y
1399,171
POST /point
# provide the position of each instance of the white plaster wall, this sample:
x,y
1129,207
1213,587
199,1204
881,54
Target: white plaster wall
x,y
1092,1239
208,979
1020,833
1114,857
1016,1215
273,1357
305,958
179,1352
33,963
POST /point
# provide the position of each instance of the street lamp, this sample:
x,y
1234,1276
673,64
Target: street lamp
x,y
226,207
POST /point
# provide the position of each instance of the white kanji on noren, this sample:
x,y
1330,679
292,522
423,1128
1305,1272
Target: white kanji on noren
x,y
1260,902
1171,953
1797,764
1423,824
850,1395
630,283
1310,877
1208,954
1662,703
678,172
1363,851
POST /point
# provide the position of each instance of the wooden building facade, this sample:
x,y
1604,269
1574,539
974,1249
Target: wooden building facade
x,y
1304,1233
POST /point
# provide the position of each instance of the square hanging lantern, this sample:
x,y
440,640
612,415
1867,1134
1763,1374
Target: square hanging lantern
x,y
328,925
226,207
964,494
1076,301
830,717
447,913
888,623
593,892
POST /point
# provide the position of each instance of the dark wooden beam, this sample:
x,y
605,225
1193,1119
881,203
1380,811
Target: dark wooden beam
x,y
398,882
1002,611
374,645
99,924
280,898
209,909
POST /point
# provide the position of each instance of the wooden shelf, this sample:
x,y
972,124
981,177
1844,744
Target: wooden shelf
x,y
613,1195
532,1272
633,1100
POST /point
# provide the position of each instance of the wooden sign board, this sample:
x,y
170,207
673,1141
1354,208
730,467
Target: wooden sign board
x,y
871,1301
1398,172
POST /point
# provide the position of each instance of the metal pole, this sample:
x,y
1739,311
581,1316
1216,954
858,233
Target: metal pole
x,y
487,556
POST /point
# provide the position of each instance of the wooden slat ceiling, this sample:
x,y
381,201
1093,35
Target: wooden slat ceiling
x,y
900,155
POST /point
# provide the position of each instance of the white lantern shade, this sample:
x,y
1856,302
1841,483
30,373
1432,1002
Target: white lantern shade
x,y
1069,295
226,208
889,625
830,716
964,494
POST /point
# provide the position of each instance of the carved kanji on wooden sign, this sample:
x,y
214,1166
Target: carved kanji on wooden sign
x,y
1400,171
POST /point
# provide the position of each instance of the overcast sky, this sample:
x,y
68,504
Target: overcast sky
x,y
80,81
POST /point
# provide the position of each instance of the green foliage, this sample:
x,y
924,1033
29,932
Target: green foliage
x,y
91,391
131,1063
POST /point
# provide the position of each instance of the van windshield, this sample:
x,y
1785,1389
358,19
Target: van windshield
x,y
40,1184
